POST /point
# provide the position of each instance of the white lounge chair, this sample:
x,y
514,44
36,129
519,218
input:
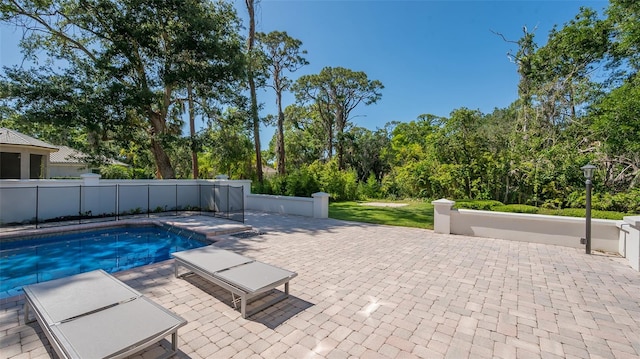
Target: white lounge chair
x,y
242,276
94,315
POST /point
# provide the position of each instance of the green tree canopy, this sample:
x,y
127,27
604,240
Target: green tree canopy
x,y
282,53
335,92
124,64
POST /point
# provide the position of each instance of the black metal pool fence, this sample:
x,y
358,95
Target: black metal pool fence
x,y
60,205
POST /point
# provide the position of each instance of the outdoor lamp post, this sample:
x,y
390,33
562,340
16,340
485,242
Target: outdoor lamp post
x,y
588,175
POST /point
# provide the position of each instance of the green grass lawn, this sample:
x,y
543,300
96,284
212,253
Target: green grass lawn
x,y
415,214
419,214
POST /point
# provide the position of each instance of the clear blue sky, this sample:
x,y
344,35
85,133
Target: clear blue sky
x,y
431,56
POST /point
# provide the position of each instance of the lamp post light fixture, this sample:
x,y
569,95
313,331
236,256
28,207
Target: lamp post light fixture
x,y
588,175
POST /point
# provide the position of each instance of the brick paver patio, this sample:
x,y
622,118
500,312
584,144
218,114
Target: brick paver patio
x,y
371,291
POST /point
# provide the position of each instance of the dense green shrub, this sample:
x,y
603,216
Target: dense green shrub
x,y
628,202
581,212
260,187
115,172
351,186
123,172
521,208
292,184
516,208
370,189
303,182
569,212
483,205
389,187
277,185
448,181
601,201
343,185
555,203
575,199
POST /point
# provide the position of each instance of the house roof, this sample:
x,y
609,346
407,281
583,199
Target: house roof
x,y
67,155
11,137
58,155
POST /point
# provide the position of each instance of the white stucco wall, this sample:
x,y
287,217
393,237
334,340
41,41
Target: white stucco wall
x,y
632,241
302,206
557,230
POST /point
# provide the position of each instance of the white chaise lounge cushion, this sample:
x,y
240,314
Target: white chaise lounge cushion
x,y
94,315
109,332
69,297
211,259
247,278
255,276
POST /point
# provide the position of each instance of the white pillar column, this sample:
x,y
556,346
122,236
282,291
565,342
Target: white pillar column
x,y
632,249
320,205
25,165
91,179
442,215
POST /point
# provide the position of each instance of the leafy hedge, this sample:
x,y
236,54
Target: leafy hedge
x,y
517,208
581,212
122,172
521,208
318,177
628,202
482,205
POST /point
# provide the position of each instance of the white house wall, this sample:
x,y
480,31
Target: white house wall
x,y
67,170
25,159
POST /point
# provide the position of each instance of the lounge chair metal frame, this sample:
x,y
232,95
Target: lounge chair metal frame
x,y
244,293
136,303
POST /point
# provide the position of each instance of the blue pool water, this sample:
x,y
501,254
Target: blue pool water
x,y
37,260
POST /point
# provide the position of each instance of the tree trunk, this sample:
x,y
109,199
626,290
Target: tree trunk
x,y
164,169
573,104
192,130
327,123
506,187
163,164
256,127
340,124
280,136
340,151
330,144
252,88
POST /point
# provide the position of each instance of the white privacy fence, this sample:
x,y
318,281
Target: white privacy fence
x,y
91,199
41,202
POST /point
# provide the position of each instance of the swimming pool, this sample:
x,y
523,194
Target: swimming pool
x,y
41,259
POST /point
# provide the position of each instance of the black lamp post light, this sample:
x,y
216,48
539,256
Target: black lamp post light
x,y
588,175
